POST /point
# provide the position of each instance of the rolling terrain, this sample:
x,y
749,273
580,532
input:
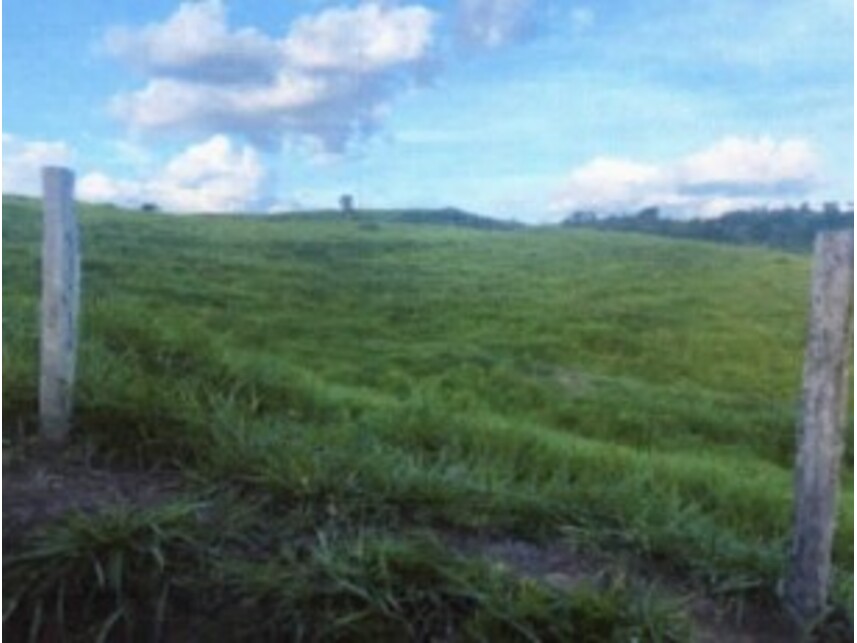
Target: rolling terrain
x,y
359,409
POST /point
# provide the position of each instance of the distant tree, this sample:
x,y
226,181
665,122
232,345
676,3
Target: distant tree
x,y
649,214
346,203
785,227
582,216
149,207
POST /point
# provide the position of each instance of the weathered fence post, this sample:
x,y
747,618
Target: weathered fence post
x,y
820,431
59,306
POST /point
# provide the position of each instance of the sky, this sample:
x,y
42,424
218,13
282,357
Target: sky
x,y
518,109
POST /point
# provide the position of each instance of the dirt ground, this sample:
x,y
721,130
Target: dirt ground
x,y
563,566
42,485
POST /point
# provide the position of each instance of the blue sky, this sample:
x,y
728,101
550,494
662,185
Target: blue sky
x,y
512,108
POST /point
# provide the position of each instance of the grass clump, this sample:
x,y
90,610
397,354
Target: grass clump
x,y
413,590
101,578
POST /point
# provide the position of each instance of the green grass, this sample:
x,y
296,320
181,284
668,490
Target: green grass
x,y
638,393
136,575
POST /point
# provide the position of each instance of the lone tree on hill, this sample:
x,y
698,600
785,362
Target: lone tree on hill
x,y
346,203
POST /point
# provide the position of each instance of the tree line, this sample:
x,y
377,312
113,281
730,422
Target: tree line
x,y
786,228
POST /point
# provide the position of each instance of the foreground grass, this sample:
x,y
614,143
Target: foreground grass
x,y
137,576
630,392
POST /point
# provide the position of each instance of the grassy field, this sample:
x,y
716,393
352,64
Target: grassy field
x,y
343,395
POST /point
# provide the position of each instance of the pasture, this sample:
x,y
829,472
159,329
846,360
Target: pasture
x,y
360,410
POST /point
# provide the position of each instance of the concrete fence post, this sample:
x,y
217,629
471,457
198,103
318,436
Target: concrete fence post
x,y
59,304
820,441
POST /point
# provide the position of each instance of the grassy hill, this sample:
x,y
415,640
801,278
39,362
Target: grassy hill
x,y
348,403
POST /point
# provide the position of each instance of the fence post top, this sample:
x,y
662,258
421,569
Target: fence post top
x,y
57,171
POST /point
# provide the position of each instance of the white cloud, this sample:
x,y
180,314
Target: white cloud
x,y
736,165
195,43
213,176
367,38
23,162
606,183
329,77
171,104
732,173
488,24
100,188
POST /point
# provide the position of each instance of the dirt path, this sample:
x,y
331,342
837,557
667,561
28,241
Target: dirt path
x,y
43,486
558,564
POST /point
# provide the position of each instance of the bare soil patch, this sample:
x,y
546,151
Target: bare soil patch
x,y
41,485
564,566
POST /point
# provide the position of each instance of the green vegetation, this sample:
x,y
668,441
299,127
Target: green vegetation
x,y
338,392
126,574
787,228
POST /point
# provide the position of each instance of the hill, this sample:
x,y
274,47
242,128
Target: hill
x,y
455,217
388,432
439,217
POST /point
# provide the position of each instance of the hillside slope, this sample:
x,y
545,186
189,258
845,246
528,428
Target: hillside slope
x,y
626,393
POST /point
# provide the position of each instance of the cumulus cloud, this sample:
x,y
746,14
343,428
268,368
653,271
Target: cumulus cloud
x,y
741,167
610,184
488,24
732,173
195,43
23,162
362,40
330,77
100,188
213,176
